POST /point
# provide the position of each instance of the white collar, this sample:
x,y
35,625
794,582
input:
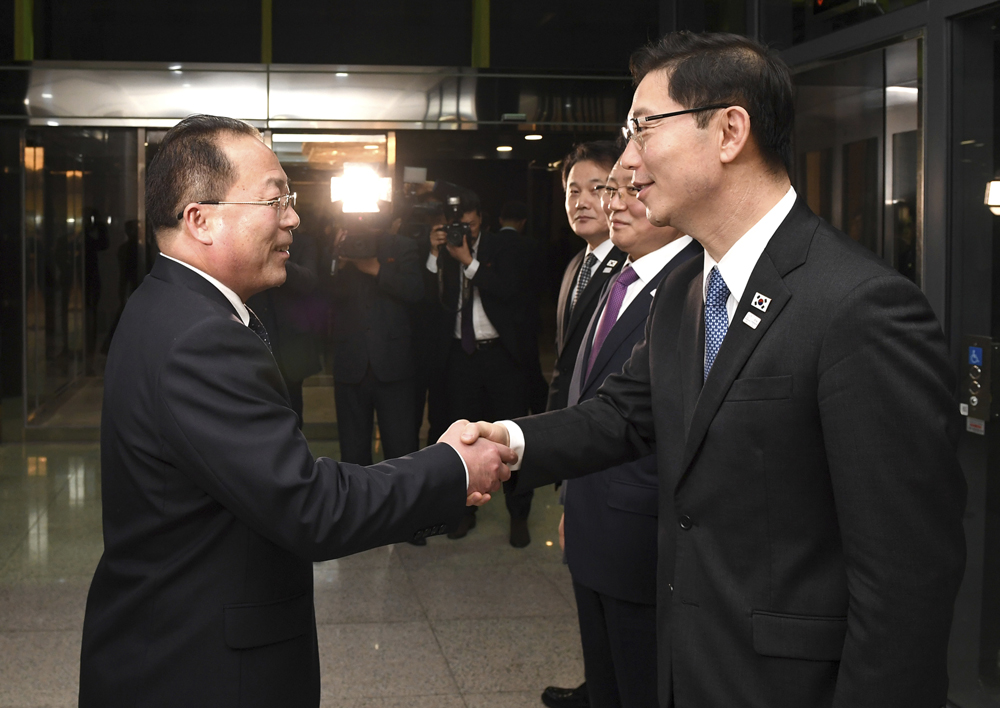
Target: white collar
x,y
652,263
737,265
601,251
233,298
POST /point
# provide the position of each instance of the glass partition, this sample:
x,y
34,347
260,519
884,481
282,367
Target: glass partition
x,y
859,149
784,23
80,265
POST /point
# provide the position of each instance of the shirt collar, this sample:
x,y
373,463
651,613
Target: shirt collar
x,y
233,298
737,265
601,251
647,267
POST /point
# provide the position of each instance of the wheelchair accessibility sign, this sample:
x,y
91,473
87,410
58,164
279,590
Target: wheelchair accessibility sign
x,y
975,356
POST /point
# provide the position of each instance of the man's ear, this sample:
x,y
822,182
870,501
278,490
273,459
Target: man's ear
x,y
195,223
734,127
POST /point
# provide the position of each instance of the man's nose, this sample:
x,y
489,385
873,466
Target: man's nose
x,y
631,159
290,219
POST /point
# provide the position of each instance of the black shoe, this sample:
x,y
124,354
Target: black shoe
x,y
418,542
519,536
555,697
467,523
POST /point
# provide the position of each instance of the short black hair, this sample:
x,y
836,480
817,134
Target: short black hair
x,y
513,211
603,152
191,167
470,201
722,68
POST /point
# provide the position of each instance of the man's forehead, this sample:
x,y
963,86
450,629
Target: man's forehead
x,y
652,95
597,172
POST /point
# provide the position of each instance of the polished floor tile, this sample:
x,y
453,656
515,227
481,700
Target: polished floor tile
x,y
455,624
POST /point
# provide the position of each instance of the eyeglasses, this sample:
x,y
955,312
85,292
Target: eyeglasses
x,y
633,131
280,203
628,190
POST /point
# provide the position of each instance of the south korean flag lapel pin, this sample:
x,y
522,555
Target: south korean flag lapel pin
x,y
761,302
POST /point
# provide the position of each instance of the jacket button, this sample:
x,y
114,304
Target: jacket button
x,y
685,522
670,588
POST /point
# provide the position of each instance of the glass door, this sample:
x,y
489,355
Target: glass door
x,y
80,265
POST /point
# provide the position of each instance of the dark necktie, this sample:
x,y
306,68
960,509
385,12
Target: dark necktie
x,y
257,327
468,331
611,310
583,279
716,317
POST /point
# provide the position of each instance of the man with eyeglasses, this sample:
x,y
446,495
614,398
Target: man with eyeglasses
x,y
610,518
799,392
214,508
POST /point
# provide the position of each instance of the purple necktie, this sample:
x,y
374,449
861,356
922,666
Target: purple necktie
x,y
611,310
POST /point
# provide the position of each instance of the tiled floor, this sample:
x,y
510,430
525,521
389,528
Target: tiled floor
x,y
472,623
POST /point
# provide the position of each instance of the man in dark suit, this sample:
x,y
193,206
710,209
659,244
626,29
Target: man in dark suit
x,y
799,392
373,357
584,174
484,346
610,516
213,505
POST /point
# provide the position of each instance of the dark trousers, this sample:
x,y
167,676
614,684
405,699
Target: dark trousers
x,y
619,650
488,385
392,401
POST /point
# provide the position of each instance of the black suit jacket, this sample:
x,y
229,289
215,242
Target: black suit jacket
x,y
611,515
811,541
571,323
214,510
371,315
502,279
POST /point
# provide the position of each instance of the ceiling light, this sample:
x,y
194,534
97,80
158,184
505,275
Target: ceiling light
x,y
371,147
52,123
46,95
533,136
342,74
174,67
504,148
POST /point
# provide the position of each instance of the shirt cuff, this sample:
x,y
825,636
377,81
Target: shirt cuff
x,y
432,263
516,438
464,466
471,269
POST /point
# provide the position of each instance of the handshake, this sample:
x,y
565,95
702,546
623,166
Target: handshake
x,y
484,448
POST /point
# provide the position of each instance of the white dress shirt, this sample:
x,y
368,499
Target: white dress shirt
x,y
739,261
735,268
481,324
233,298
646,269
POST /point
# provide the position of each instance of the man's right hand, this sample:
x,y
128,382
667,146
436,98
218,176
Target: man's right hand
x,y
486,461
438,238
494,432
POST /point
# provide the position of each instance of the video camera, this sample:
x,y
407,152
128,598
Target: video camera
x,y
364,199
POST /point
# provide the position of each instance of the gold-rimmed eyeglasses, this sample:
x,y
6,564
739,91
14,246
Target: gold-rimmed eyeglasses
x,y
280,203
627,190
633,129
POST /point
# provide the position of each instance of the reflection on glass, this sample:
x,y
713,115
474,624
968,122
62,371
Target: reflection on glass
x,y
788,22
859,150
80,197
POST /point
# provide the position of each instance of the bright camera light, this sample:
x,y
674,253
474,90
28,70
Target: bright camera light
x,y
360,189
533,137
504,148
993,196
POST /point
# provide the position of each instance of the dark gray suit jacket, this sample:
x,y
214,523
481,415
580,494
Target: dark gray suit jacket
x,y
811,542
214,510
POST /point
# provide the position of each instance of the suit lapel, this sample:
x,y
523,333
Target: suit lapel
x,y
595,286
786,250
691,349
565,298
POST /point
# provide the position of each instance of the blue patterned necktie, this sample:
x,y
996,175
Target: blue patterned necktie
x,y
583,278
716,318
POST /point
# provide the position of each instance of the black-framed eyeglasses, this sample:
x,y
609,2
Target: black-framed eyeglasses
x,y
633,130
280,203
627,190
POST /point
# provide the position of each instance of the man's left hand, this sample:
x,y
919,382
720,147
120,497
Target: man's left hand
x,y
462,254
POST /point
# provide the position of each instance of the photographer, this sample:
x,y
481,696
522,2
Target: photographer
x,y
483,343
375,277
